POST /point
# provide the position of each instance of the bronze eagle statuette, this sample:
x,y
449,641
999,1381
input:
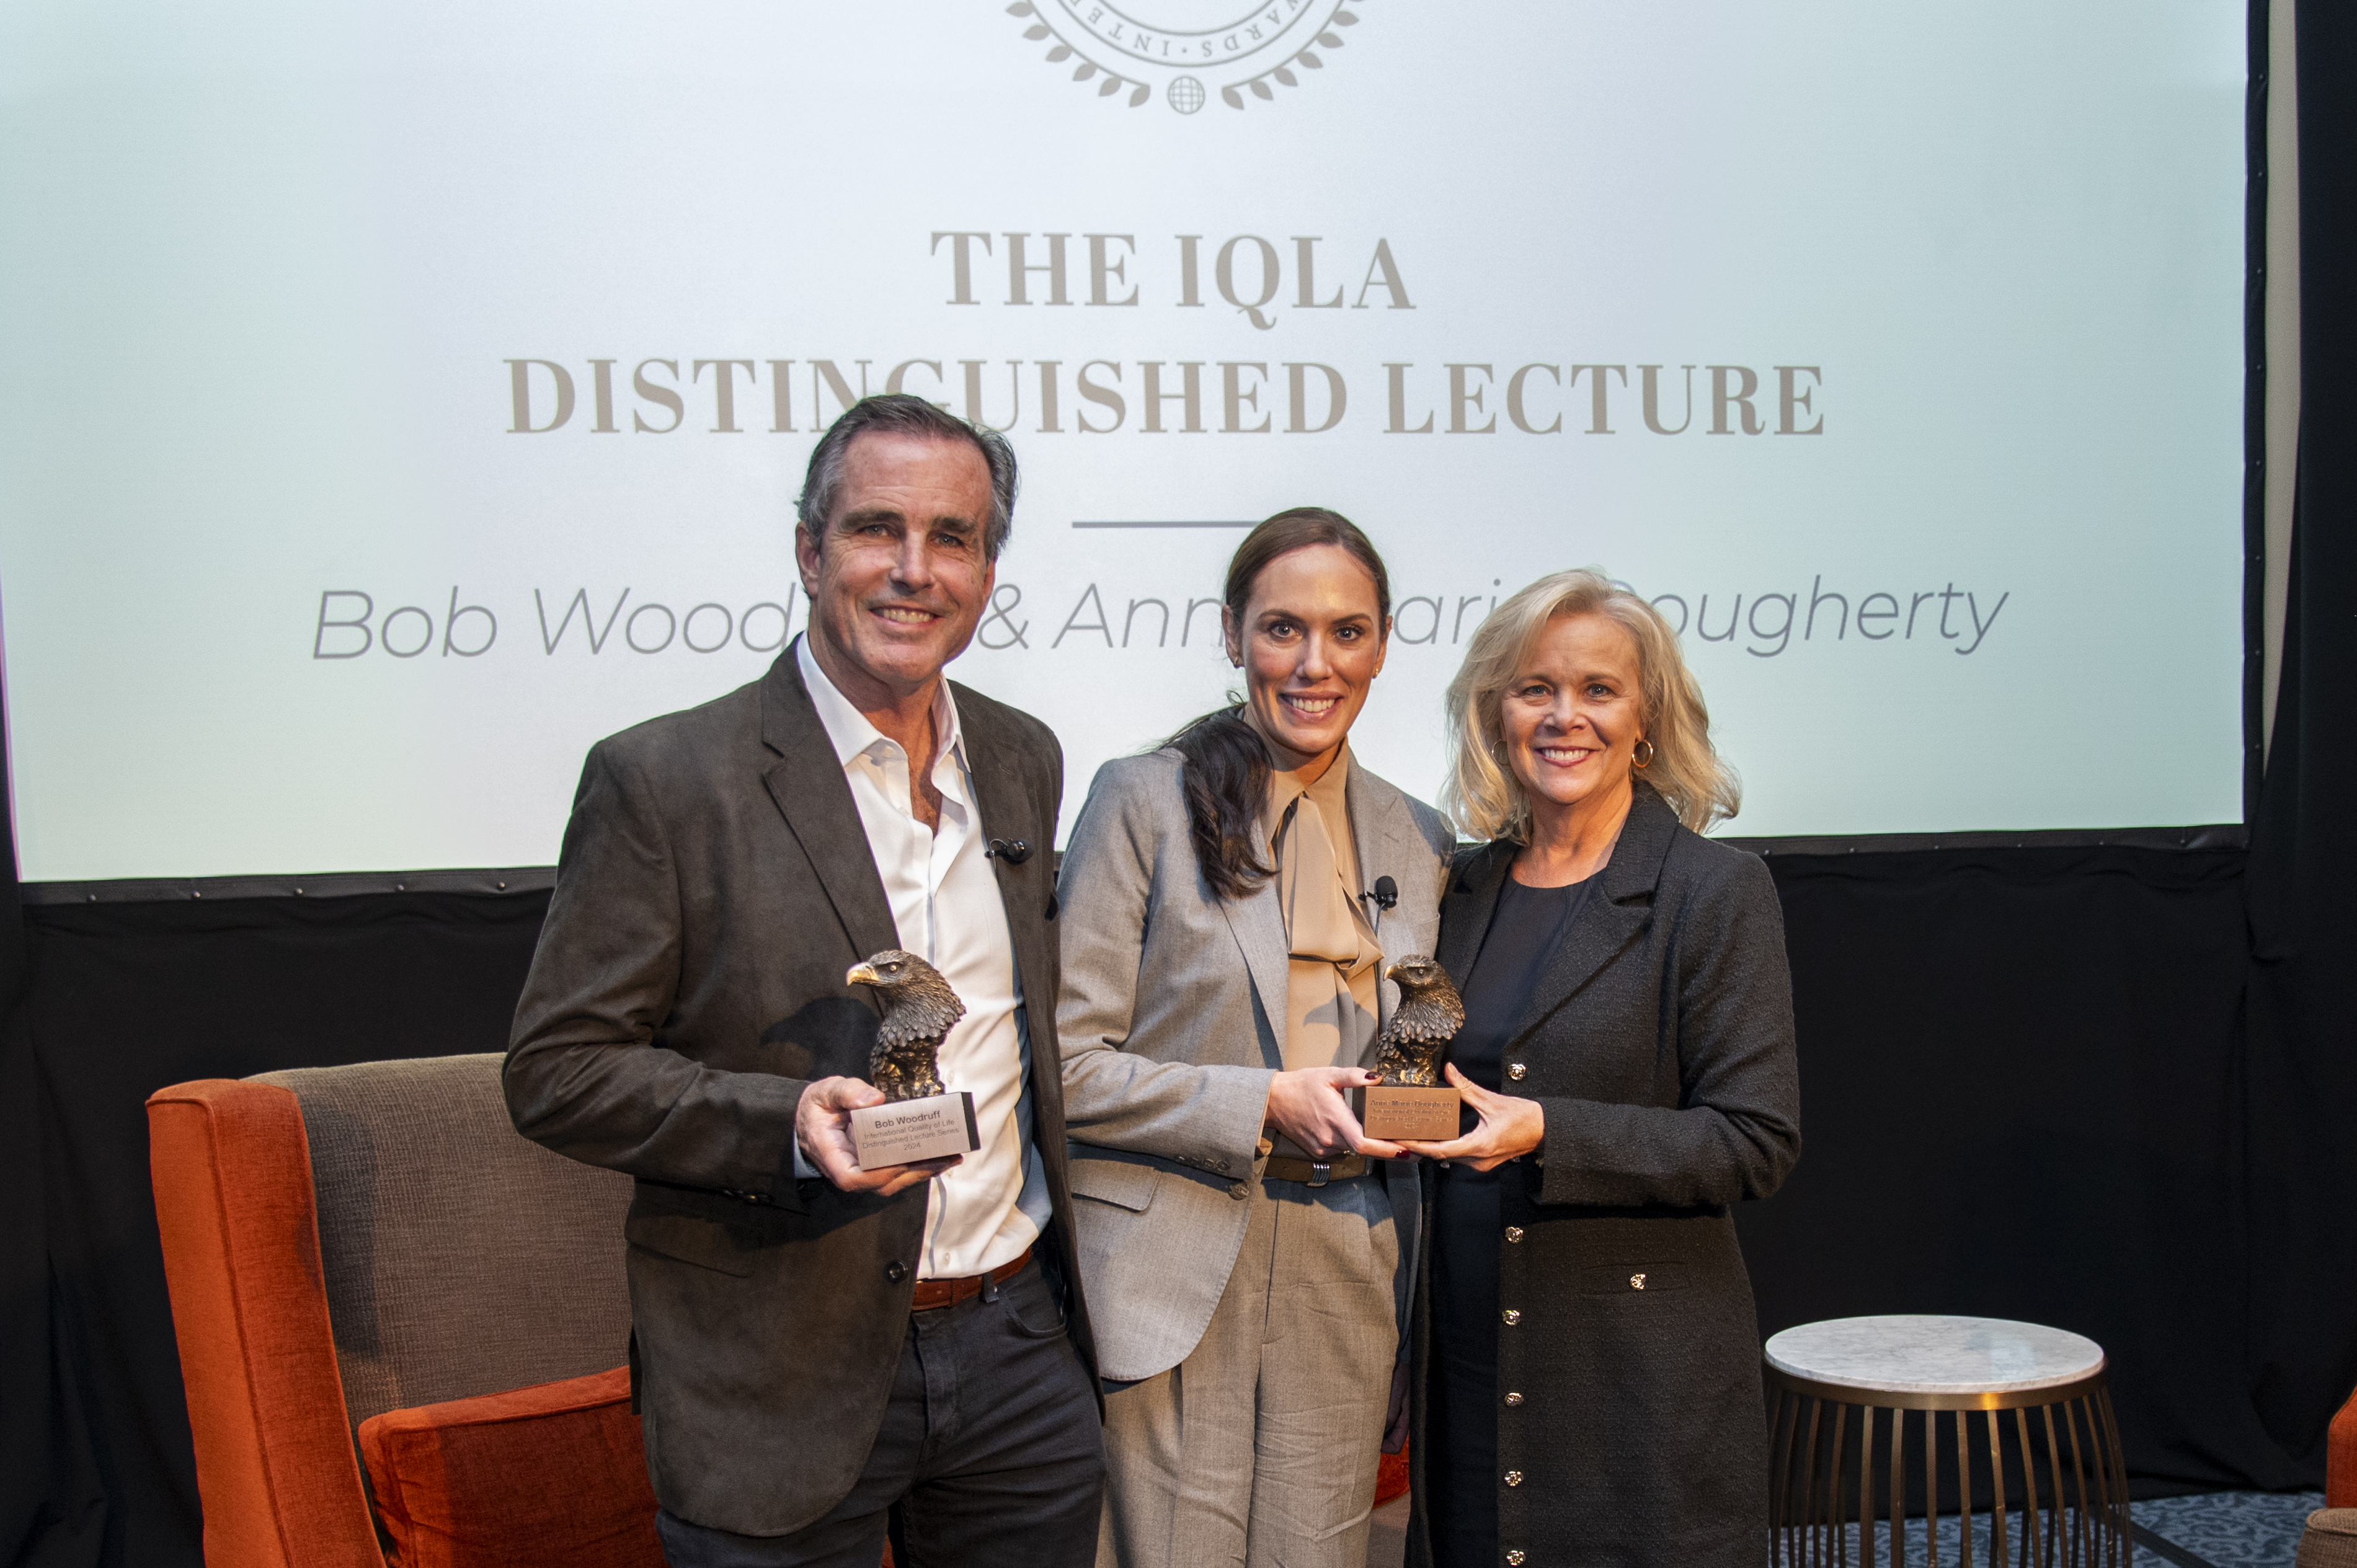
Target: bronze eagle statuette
x,y
1412,1102
918,1010
1429,1016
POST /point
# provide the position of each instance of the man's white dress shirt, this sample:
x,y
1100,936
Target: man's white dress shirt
x,y
947,909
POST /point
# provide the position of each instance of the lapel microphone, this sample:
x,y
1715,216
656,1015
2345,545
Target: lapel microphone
x,y
1386,893
1015,852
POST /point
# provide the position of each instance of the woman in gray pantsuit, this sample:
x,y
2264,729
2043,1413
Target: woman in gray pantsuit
x,y
1230,903
1586,1365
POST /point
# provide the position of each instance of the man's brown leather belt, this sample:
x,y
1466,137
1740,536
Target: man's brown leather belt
x,y
932,1294
1316,1172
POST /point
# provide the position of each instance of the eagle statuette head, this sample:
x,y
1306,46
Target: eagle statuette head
x,y
920,1008
1429,1016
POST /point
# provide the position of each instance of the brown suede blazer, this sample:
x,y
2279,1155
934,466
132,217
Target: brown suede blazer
x,y
714,888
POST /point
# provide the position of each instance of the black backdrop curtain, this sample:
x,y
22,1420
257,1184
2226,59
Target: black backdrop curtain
x,y
2105,1089
2021,1099
127,998
2303,982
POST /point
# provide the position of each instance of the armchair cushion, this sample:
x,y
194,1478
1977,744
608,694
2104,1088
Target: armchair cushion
x,y
2331,1540
554,1474
458,1257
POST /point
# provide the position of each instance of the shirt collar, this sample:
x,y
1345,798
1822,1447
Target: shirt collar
x,y
1331,791
848,729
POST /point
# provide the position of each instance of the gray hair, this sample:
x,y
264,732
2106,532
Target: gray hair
x,y
899,414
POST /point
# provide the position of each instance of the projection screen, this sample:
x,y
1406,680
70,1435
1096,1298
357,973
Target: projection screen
x,y
399,397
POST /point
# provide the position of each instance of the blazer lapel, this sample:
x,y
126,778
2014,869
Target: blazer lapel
x,y
1618,911
1466,909
1376,831
1375,828
1259,927
1007,808
806,781
1004,801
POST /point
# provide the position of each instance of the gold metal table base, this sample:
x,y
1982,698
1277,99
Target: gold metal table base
x,y
2070,1503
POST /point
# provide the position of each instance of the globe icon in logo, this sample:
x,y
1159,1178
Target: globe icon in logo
x,y
1185,94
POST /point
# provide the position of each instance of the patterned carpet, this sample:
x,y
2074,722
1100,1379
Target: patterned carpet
x,y
2225,1530
2212,1530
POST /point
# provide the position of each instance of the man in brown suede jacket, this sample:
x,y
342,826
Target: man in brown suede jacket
x,y
823,1352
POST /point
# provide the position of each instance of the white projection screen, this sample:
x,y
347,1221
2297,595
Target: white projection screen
x,y
398,397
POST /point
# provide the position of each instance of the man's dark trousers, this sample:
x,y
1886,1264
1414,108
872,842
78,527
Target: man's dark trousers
x,y
990,1453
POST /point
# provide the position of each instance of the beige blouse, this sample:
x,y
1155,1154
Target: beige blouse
x,y
1332,996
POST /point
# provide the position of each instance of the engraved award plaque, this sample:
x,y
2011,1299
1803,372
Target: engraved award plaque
x,y
902,1131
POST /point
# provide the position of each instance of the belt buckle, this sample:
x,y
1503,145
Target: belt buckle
x,y
1319,1172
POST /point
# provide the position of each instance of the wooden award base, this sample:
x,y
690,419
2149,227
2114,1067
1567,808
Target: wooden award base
x,y
1398,1110
900,1131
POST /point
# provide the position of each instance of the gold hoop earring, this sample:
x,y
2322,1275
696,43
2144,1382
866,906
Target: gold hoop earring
x,y
1647,760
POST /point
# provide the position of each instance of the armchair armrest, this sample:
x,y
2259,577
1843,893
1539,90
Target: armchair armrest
x,y
231,1171
553,1475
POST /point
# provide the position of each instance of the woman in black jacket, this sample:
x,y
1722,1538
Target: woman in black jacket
x,y
1586,1368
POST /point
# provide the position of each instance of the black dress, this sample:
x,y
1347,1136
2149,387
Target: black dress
x,y
1524,930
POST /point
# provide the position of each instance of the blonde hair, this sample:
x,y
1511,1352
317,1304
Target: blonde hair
x,y
1483,794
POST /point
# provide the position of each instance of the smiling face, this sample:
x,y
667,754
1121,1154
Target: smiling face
x,y
899,583
1309,643
1572,715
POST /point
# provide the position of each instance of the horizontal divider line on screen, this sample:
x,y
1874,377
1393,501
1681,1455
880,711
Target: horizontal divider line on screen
x,y
1162,525
537,878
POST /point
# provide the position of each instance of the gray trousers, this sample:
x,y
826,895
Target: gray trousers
x,y
988,1457
1260,1448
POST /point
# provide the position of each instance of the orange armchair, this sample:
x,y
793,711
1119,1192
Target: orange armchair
x,y
1391,1478
2340,1458
374,1244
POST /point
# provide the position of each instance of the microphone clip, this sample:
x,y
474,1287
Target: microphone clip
x,y
1015,852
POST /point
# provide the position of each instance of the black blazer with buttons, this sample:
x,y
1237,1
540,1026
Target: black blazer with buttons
x,y
1660,1043
714,888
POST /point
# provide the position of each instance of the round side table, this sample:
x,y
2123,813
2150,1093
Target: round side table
x,y
2052,1475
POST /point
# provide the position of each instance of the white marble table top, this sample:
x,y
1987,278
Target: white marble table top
x,y
1926,1355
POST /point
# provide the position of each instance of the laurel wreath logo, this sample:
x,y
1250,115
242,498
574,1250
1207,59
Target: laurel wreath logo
x,y
1186,93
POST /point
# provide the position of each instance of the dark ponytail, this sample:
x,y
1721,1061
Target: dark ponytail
x,y
1225,778
1224,773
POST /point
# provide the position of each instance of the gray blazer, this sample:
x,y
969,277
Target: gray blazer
x,y
1168,1028
714,887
